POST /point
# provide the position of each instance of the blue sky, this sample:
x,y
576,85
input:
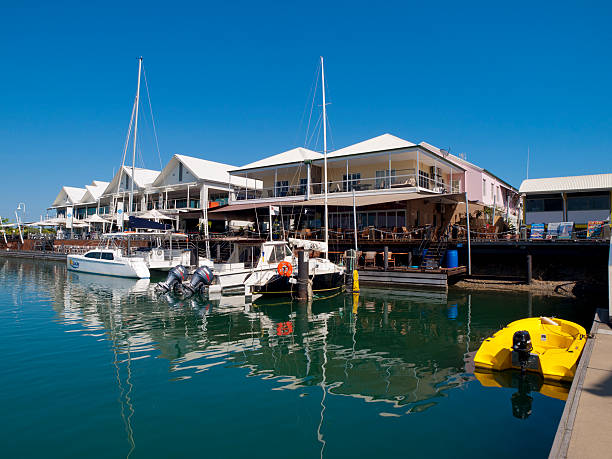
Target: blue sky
x,y
229,81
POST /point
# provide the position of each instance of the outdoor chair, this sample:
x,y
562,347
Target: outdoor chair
x,y
390,259
365,234
370,259
406,234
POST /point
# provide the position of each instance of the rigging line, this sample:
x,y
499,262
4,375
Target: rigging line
x,y
127,141
312,91
316,130
312,103
152,118
329,131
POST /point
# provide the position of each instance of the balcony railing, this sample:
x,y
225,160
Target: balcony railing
x,y
394,182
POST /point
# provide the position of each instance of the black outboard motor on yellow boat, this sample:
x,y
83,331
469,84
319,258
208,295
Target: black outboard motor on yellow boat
x,y
521,344
202,277
174,280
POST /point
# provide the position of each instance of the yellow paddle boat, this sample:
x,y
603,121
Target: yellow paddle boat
x,y
542,345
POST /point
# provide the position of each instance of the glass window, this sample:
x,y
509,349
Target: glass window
x,y
381,219
423,179
277,254
381,179
281,188
351,181
107,256
303,185
95,255
544,204
401,219
484,187
599,201
180,172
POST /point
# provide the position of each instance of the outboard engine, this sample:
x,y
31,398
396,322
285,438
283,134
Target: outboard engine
x,y
175,278
202,277
521,344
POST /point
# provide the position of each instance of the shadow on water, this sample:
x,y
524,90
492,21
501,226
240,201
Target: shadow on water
x,y
404,351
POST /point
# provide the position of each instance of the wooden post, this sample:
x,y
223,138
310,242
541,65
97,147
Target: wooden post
x,y
302,281
529,272
386,256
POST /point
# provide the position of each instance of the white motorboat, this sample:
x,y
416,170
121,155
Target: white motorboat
x,y
253,266
108,262
167,250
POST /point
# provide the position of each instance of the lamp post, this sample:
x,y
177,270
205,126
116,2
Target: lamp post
x,y
20,207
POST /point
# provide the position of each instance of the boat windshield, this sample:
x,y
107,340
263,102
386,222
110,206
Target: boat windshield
x,y
247,254
278,253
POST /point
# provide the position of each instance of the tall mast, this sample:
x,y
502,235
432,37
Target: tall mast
x,y
325,159
135,133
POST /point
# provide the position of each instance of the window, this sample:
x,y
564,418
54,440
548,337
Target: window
x,y
107,256
423,179
544,203
281,188
95,255
303,185
180,172
492,191
127,181
351,182
484,188
277,254
382,178
596,201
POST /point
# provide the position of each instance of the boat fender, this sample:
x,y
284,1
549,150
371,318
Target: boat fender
x,y
284,269
159,252
549,321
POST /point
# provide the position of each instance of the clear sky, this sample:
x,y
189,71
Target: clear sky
x,y
229,81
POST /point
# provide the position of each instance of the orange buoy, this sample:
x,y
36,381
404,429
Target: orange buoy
x,y
284,269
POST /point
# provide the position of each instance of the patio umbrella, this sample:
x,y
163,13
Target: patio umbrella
x,y
95,218
155,214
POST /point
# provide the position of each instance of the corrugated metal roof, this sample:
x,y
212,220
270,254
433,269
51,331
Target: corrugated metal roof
x,y
294,155
203,169
567,184
381,143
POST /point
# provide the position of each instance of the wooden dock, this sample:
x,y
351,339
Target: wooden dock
x,y
33,254
404,277
586,423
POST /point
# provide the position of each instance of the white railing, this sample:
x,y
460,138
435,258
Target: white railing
x,y
393,182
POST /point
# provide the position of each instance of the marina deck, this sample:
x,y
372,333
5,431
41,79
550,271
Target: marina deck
x,y
584,429
410,277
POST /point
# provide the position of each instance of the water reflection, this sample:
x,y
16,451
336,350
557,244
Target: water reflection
x,y
404,352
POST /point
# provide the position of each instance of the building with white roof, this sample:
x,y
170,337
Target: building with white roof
x,y
486,189
382,170
577,199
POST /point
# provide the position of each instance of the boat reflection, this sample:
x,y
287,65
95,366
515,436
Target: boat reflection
x,y
403,349
525,384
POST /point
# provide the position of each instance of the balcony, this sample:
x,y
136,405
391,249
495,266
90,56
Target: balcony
x,y
410,182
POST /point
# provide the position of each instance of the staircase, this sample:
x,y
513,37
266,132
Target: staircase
x,y
435,253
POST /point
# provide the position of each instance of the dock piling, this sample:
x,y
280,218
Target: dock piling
x,y
529,272
302,281
386,255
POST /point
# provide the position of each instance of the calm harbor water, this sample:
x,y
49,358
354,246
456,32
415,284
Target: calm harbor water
x,y
101,367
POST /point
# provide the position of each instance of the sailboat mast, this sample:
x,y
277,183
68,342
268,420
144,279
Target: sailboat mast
x,y
135,134
325,159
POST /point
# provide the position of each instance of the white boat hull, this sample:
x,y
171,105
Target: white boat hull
x,y
133,267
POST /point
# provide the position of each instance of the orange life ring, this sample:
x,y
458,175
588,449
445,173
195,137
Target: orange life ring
x,y
284,268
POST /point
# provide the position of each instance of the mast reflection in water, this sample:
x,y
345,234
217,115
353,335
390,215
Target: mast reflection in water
x,y
343,375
